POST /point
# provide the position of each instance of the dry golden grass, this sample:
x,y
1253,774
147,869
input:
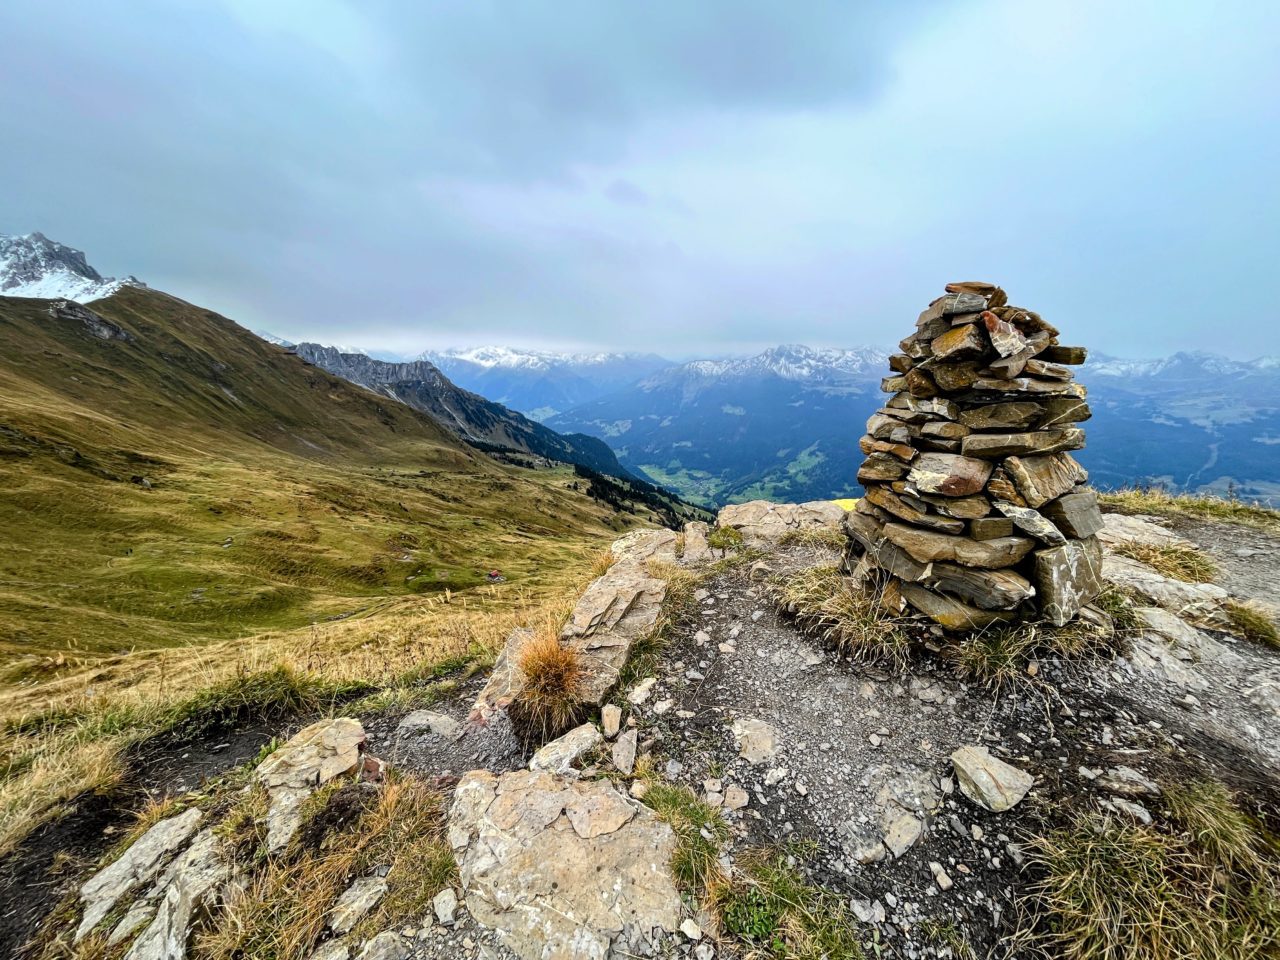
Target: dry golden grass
x,y
1252,622
1113,889
282,911
1202,507
72,736
550,702
835,610
1178,561
603,562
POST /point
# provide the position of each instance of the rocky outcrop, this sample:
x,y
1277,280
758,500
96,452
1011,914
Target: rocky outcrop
x,y
138,865
186,890
563,868
617,609
968,465
317,754
761,522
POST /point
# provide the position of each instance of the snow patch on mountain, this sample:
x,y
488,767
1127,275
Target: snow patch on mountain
x,y
35,266
791,362
516,359
1184,363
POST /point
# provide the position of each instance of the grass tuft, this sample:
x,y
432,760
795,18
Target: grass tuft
x,y
725,539
770,906
550,701
1252,623
602,562
700,833
1178,561
1111,889
834,610
1184,505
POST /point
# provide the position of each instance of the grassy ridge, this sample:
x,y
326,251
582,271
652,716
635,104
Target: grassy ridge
x,y
275,495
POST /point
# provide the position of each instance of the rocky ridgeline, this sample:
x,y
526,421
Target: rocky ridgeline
x,y
974,508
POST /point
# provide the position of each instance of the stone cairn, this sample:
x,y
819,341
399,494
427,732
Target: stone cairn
x,y
975,513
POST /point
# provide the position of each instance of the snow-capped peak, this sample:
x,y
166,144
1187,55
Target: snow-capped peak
x,y
796,362
35,266
514,358
1184,363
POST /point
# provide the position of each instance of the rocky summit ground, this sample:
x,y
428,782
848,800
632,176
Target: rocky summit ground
x,y
737,786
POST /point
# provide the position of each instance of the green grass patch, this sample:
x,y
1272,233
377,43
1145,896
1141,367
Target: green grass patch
x,y
700,834
771,907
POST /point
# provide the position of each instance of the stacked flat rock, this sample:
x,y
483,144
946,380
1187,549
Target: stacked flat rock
x,y
975,512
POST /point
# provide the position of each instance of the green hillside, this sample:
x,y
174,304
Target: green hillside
x,y
170,479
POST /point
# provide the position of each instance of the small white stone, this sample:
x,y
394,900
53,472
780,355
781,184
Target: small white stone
x,y
691,929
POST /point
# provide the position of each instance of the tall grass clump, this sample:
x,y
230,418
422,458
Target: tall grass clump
x,y
1179,561
550,702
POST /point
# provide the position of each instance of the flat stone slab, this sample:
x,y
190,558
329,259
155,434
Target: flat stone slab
x,y
1191,599
760,521
563,868
989,781
1119,528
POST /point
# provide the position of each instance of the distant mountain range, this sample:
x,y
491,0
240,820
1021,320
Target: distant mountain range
x,y
781,425
541,384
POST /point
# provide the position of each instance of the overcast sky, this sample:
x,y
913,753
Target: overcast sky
x,y
682,177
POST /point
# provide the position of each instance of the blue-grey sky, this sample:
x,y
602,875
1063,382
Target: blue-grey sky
x,y
682,177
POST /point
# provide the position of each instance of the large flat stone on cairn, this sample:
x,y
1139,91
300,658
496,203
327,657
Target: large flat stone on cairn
x,y
563,868
975,511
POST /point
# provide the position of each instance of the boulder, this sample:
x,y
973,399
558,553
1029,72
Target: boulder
x,y
1067,577
140,863
506,679
560,755
624,751
639,546
616,610
1059,410
761,522
387,945
964,342
696,548
563,868
316,754
989,781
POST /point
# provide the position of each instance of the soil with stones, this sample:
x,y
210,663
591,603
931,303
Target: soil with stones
x,y
852,755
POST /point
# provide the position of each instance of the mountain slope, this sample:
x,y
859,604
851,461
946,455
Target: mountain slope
x,y
35,266
171,479
782,425
539,383
473,418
